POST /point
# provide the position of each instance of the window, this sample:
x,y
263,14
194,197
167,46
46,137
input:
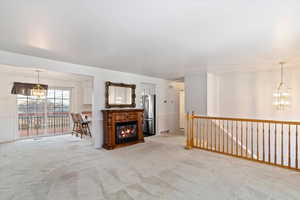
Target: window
x,y
58,110
45,116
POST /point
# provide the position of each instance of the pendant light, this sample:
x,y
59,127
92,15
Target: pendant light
x,y
282,95
38,90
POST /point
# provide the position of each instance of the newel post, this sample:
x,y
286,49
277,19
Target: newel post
x,y
187,127
190,131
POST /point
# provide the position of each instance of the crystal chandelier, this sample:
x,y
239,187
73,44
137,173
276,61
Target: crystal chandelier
x,y
282,95
38,90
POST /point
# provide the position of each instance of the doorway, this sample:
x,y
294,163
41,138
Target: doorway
x,y
49,115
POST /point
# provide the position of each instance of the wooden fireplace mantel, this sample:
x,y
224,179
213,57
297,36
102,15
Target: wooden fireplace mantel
x,y
113,116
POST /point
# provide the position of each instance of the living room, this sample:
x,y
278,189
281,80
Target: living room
x,y
174,99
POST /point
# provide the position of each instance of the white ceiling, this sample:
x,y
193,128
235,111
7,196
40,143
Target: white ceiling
x,y
162,38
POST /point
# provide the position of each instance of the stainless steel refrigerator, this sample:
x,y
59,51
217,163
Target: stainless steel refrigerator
x,y
149,103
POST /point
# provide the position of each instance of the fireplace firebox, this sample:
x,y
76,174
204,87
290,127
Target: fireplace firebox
x,y
126,132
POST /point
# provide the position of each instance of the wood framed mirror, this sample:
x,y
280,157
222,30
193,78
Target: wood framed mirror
x,y
119,95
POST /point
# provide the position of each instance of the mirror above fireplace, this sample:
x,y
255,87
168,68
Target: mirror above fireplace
x,y
119,95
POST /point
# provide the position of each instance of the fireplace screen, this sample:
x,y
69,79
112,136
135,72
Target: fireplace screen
x,y
126,132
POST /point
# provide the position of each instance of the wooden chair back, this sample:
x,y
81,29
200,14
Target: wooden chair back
x,y
73,116
82,127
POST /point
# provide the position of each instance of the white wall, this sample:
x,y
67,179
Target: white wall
x,y
196,93
249,94
8,118
213,95
241,94
164,110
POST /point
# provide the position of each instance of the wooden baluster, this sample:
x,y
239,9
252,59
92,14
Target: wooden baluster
x,y
191,131
264,142
207,134
289,147
200,133
203,133
296,159
282,144
219,136
237,139
247,140
231,137
211,135
227,138
252,145
207,130
187,132
257,138
242,136
199,129
269,142
207,138
223,136
197,133
192,135
221,132
275,148
215,135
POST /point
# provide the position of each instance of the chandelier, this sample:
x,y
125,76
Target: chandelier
x,y
38,90
282,95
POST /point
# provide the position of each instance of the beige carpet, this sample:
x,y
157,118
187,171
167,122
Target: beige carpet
x,y
65,167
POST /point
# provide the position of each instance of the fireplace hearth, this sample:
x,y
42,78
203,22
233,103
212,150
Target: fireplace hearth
x,y
126,132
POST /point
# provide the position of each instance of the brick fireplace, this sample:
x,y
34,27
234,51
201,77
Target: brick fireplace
x,y
122,127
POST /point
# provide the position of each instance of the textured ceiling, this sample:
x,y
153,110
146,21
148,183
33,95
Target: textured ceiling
x,y
161,38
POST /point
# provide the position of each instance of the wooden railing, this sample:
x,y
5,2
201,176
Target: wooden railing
x,y
33,124
266,141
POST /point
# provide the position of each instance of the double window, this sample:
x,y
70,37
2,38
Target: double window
x,y
44,116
